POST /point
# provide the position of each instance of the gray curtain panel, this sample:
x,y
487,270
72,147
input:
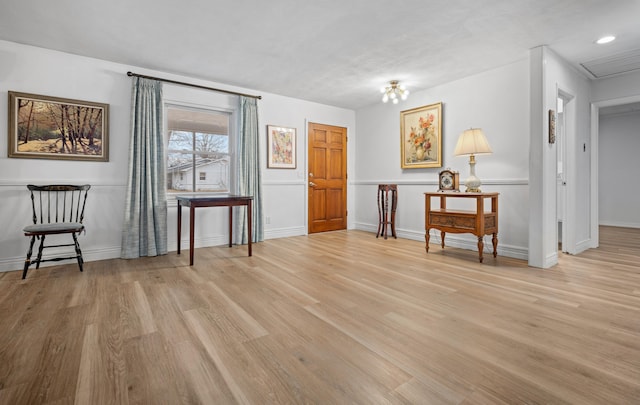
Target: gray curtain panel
x,y
145,221
248,173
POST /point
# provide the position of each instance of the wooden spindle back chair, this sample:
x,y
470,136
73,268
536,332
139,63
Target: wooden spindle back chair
x,y
57,209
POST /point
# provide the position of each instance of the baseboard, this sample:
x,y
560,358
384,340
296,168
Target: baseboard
x,y
582,246
550,261
284,232
89,255
17,263
620,224
453,240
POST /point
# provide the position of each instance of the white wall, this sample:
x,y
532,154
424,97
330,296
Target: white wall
x,y
497,102
40,71
619,196
551,75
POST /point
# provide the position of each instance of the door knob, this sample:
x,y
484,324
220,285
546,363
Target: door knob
x,y
312,184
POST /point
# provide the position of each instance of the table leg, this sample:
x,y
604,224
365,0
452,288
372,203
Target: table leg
x,y
249,224
480,247
230,226
179,224
442,234
192,225
494,240
379,202
385,210
426,238
394,206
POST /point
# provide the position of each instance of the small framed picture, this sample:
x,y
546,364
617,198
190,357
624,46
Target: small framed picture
x,y
281,147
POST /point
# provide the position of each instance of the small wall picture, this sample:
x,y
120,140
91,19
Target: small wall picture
x,y
43,127
552,126
281,147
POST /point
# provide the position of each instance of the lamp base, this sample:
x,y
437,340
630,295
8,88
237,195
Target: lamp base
x,y
472,183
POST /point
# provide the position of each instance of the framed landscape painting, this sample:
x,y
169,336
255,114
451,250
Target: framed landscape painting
x,y
43,127
281,147
421,137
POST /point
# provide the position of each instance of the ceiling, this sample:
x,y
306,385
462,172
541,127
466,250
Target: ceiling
x,y
334,52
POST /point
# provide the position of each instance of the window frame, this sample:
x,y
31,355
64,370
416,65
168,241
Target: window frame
x,y
232,139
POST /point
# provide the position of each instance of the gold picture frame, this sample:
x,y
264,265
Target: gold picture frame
x,y
281,147
43,127
421,137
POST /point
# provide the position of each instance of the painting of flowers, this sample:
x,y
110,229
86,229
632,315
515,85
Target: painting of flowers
x,y
421,137
281,147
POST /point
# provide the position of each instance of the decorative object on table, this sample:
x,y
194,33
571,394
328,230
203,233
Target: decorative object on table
x,y
384,209
421,137
281,147
43,127
552,126
448,180
472,142
394,91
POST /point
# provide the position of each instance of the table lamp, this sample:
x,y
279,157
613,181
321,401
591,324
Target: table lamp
x,y
472,142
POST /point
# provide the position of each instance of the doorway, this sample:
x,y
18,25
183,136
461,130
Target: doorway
x,y
595,158
327,178
564,126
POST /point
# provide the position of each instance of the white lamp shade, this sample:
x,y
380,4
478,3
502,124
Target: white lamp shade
x,y
472,142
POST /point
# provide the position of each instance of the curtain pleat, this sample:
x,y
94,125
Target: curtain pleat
x,y
248,173
145,222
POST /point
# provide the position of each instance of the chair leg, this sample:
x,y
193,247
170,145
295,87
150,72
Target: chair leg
x,y
27,262
40,252
78,251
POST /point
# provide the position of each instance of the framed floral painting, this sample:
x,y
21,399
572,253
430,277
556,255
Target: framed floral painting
x,y
281,147
421,137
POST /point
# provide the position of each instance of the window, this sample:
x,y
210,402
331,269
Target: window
x,y
197,145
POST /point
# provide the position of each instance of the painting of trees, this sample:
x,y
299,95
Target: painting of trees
x,y
57,128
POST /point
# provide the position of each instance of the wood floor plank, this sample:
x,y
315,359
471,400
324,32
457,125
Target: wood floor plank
x,y
101,376
202,329
58,359
204,382
152,372
337,317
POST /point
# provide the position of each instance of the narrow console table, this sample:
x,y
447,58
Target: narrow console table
x,y
221,201
477,222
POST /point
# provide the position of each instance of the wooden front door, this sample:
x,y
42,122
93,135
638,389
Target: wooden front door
x,y
327,178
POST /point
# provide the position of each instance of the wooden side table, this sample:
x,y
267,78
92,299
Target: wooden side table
x,y
477,222
194,202
384,210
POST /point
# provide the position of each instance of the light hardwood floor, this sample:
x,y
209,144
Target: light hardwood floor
x,y
330,318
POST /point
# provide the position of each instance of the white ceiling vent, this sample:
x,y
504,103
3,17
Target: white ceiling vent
x,y
613,65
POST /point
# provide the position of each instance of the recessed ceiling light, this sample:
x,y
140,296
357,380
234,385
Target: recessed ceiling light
x,y
605,40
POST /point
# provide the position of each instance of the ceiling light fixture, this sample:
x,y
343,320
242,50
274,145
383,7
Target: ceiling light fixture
x,y
605,40
393,92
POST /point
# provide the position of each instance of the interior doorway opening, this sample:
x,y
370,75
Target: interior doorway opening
x,y
563,127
